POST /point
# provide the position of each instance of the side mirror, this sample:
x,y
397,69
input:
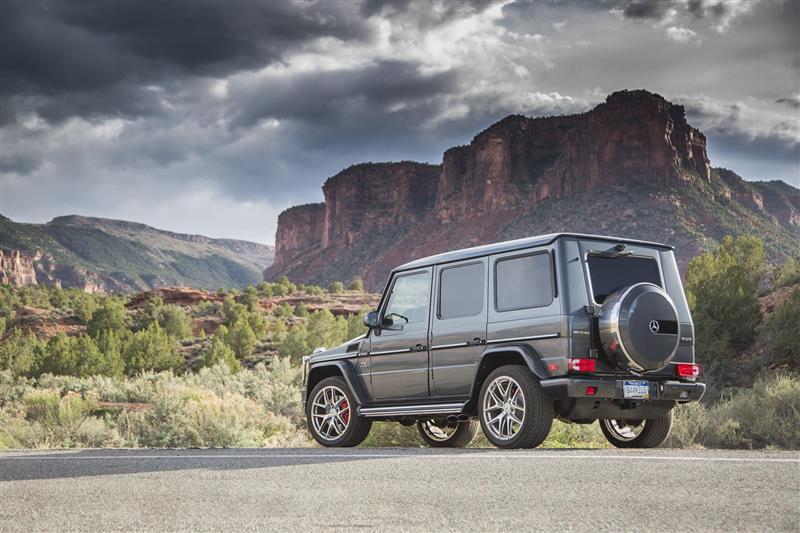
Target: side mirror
x,y
371,320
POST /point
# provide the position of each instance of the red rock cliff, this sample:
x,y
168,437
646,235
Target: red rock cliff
x,y
372,195
300,229
523,176
634,137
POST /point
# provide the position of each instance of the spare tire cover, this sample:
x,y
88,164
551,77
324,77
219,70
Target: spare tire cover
x,y
639,327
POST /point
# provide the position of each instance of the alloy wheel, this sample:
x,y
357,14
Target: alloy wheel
x,y
504,408
330,413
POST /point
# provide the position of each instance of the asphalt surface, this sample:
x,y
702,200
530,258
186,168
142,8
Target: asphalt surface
x,y
400,489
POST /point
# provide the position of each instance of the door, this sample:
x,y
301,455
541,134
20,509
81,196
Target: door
x,y
458,334
399,349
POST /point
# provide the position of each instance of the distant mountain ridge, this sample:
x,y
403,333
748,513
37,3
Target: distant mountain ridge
x,y
98,254
631,167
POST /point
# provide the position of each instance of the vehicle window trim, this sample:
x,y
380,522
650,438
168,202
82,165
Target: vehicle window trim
x,y
551,268
385,303
640,256
439,289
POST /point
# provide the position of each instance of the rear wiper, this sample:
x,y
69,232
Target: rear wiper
x,y
611,253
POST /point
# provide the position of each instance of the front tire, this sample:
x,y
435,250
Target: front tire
x,y
514,410
648,433
332,417
438,433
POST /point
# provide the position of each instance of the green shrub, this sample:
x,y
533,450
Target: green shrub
x,y
336,287
788,274
356,285
111,316
781,332
20,352
175,322
722,290
152,349
766,415
220,353
300,310
80,356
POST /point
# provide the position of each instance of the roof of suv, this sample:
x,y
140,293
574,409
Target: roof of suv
x,y
510,246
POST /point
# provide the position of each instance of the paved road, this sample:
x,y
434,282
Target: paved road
x,y
391,489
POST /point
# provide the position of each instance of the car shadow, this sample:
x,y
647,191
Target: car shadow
x,y
35,465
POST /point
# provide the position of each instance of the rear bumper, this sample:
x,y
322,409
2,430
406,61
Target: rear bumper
x,y
610,388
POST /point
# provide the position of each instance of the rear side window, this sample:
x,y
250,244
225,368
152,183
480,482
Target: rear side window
x,y
611,273
461,290
523,282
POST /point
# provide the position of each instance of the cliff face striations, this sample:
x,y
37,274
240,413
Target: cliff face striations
x,y
634,155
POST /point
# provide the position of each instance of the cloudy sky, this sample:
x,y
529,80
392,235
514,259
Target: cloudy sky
x,y
211,118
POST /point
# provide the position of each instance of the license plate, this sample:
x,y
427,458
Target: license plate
x,y
636,390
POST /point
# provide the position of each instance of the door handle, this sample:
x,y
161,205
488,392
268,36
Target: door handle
x,y
419,348
477,341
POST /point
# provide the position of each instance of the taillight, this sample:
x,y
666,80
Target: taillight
x,y
581,365
687,370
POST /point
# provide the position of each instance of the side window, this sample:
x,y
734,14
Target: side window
x,y
523,282
408,302
461,291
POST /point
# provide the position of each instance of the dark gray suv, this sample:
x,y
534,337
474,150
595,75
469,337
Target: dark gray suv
x,y
511,335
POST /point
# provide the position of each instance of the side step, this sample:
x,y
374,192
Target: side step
x,y
403,410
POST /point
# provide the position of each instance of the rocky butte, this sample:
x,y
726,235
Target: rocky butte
x,y
631,166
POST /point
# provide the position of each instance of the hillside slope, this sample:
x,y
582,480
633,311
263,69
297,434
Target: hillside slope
x,y
631,167
97,254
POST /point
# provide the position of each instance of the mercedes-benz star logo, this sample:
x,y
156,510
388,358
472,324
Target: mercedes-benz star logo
x,y
654,326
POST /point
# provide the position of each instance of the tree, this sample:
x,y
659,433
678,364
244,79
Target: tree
x,y
295,343
788,274
152,349
301,310
175,322
249,298
241,339
336,287
356,284
20,352
111,316
722,290
782,332
219,352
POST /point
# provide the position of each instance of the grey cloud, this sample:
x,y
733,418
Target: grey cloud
x,y
790,101
88,58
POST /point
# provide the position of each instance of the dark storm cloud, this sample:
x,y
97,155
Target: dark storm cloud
x,y
338,95
644,9
791,101
89,58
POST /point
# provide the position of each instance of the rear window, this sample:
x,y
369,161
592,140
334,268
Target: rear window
x,y
611,273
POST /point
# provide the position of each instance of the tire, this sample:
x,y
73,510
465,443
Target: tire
x,y
536,409
654,431
337,424
449,435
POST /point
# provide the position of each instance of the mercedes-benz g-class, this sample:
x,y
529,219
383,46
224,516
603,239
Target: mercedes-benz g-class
x,y
512,335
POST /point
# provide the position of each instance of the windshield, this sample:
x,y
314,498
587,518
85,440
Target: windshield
x,y
610,273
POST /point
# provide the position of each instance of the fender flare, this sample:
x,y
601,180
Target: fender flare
x,y
347,372
528,354
525,351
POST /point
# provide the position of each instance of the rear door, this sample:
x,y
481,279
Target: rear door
x,y
458,327
399,349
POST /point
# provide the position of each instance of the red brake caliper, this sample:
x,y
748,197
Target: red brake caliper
x,y
346,415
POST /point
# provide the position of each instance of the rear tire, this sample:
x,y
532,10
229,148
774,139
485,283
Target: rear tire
x,y
438,433
652,432
332,415
513,408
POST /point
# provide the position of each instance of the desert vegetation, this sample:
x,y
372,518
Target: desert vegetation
x,y
182,367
